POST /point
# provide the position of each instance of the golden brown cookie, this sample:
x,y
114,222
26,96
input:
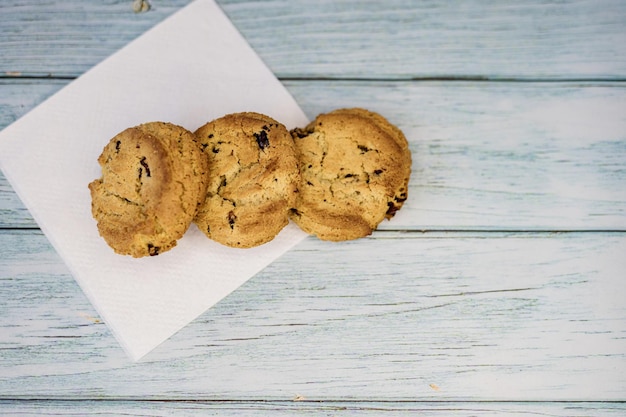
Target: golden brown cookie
x,y
355,169
154,177
253,179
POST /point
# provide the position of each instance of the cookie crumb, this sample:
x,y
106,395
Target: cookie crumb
x,y
141,6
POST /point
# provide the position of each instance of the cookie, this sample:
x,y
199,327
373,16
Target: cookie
x,y
154,177
253,177
355,168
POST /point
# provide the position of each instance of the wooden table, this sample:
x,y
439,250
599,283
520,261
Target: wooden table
x,y
499,289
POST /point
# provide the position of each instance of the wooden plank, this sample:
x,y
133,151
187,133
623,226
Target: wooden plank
x,y
305,408
66,38
392,39
19,96
409,39
487,155
397,316
500,155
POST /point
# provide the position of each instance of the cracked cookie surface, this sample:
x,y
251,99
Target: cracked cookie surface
x,y
154,176
253,177
355,168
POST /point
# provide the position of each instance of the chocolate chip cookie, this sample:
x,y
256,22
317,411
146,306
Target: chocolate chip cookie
x,y
355,168
253,177
154,176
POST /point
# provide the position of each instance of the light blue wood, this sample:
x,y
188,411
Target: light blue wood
x,y
307,408
328,38
510,305
398,316
486,156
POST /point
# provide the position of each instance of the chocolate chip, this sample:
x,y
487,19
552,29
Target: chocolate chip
x,y
215,150
117,146
378,171
261,139
301,133
211,135
231,219
153,250
144,164
392,209
363,148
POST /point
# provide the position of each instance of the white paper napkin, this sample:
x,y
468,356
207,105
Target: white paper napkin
x,y
191,68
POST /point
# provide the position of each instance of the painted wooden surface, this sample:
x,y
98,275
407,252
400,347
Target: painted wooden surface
x,y
306,408
497,290
448,316
487,156
349,38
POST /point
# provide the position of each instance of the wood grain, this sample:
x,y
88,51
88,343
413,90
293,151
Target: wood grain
x,y
308,408
486,155
348,39
65,38
397,316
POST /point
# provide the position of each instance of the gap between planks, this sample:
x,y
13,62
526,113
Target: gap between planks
x,y
300,405
16,75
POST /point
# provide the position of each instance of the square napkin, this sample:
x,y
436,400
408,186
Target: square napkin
x,y
191,68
